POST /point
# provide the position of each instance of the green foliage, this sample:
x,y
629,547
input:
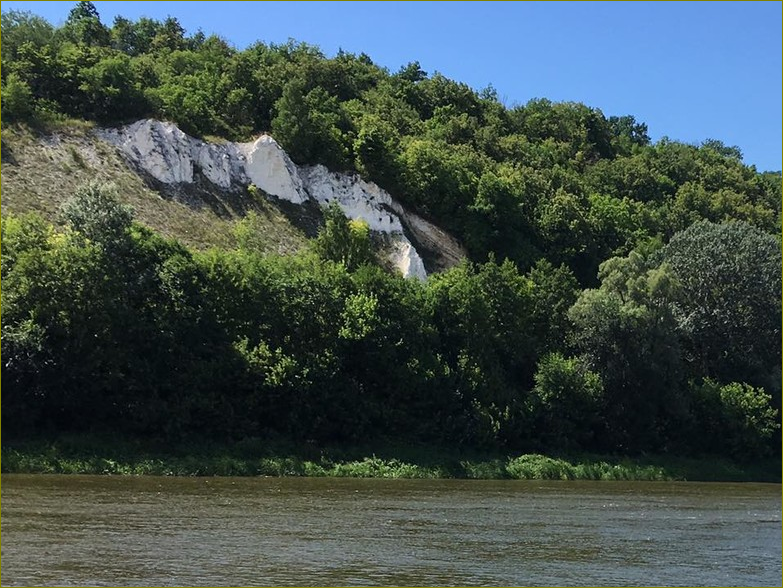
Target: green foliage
x,y
730,309
736,418
94,213
21,235
627,133
554,291
544,179
482,314
373,467
310,126
17,98
109,88
84,26
344,241
377,147
359,317
541,467
19,28
258,457
565,403
626,331
107,324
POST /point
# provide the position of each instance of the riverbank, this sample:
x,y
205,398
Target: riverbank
x,y
260,458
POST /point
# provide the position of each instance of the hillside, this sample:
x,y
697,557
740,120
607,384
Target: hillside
x,y
556,180
197,191
580,288
40,171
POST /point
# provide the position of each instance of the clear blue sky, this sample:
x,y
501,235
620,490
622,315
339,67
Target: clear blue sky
x,y
690,70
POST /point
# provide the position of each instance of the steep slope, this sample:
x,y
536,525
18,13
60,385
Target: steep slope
x,y
172,158
196,191
39,172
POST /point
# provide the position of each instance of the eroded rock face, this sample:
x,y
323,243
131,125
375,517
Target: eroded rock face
x,y
268,167
407,259
357,198
170,156
162,150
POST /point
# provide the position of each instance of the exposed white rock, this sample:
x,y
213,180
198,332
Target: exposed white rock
x,y
170,156
218,163
161,149
406,259
357,198
269,168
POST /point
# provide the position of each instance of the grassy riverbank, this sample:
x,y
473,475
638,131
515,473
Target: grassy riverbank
x,y
259,458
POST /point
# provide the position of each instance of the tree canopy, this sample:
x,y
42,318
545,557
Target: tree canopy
x,y
559,180
620,294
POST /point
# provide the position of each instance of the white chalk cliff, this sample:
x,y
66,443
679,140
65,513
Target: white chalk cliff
x,y
172,157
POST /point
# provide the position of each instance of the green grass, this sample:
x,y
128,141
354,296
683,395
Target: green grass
x,y
541,467
41,168
255,457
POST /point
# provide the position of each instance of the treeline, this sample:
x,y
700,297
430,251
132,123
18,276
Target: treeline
x,y
554,180
621,295
108,328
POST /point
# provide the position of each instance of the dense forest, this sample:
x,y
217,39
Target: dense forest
x,y
621,295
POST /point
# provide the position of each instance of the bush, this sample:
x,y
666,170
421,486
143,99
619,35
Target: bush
x,y
565,402
540,467
94,212
17,99
344,241
735,418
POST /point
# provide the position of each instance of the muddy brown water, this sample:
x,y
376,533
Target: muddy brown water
x,y
90,530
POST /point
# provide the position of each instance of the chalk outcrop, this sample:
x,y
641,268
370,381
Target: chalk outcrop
x,y
268,167
172,157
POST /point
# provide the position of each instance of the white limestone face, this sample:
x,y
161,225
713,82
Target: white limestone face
x,y
218,163
269,168
366,201
160,149
406,259
357,198
170,156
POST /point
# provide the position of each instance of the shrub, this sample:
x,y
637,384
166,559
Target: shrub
x,y
565,402
17,99
735,418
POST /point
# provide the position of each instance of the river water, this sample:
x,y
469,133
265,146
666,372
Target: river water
x,y
89,530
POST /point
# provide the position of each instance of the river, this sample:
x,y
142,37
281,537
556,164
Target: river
x,y
89,530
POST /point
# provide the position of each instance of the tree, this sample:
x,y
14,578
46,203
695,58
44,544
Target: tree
x,y
310,125
84,26
170,35
735,419
627,133
554,291
95,214
499,220
482,315
344,241
20,27
110,90
123,36
376,147
565,404
567,234
412,72
626,332
729,313
17,99
732,152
